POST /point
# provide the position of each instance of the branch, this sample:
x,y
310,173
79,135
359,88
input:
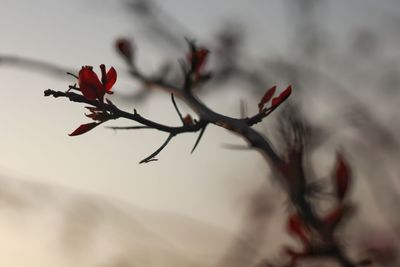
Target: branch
x,y
294,181
34,64
118,113
128,127
242,127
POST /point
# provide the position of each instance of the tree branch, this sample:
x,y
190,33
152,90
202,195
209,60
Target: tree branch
x,y
294,181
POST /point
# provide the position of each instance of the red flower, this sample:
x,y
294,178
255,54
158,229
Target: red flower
x,y
90,85
197,59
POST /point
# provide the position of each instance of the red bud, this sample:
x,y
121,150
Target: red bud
x,y
124,47
267,97
84,128
276,101
187,120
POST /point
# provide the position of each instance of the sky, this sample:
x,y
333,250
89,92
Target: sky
x,y
208,185
35,141
212,185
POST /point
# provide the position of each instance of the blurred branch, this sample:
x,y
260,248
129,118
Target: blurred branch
x,y
35,65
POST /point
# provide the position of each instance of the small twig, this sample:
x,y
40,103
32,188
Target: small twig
x,y
198,139
73,87
258,117
73,75
183,66
128,127
176,108
155,153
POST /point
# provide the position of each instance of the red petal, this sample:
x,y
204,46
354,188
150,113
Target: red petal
x,y
89,83
267,97
198,59
276,101
296,226
84,128
341,177
202,55
334,217
111,79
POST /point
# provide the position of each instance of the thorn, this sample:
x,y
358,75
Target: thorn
x,y
198,139
155,153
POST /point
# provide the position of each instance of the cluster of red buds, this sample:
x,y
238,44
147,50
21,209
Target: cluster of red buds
x,y
276,101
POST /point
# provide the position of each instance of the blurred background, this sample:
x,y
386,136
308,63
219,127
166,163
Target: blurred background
x,y
85,201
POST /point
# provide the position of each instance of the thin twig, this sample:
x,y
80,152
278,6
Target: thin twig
x,y
155,153
176,108
128,127
198,139
73,75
